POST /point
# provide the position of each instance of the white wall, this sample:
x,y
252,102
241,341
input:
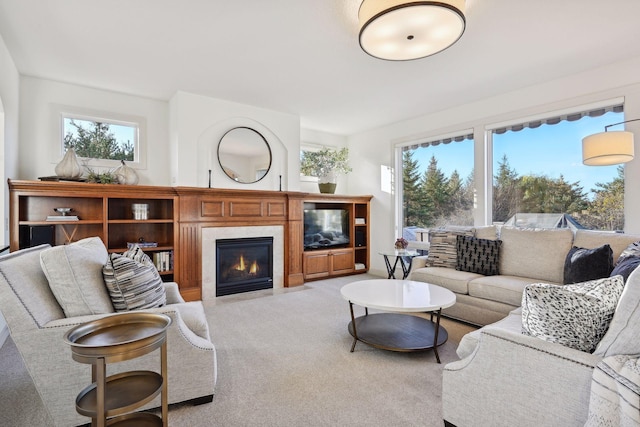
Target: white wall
x,y
9,105
198,123
39,130
375,147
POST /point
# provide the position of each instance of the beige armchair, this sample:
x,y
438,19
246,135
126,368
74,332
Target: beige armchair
x,y
37,325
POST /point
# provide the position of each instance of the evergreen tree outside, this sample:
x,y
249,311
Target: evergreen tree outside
x,y
606,212
432,199
436,188
505,191
435,200
95,140
415,205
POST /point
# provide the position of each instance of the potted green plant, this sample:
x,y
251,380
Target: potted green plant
x,y
326,164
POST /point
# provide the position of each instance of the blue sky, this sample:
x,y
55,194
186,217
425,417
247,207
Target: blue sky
x,y
549,150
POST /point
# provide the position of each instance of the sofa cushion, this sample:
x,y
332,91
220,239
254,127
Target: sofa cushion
x,y
74,273
592,239
442,250
133,281
454,280
477,255
575,316
622,336
486,232
22,272
504,289
583,264
534,253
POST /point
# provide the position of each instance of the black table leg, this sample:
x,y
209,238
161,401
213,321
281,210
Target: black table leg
x,y
355,332
391,269
435,338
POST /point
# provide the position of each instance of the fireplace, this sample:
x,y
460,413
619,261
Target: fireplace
x,y
243,265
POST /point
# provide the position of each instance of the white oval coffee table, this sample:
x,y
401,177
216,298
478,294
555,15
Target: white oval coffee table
x,y
395,329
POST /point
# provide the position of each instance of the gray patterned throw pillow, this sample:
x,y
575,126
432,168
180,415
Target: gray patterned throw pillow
x,y
133,281
478,255
575,316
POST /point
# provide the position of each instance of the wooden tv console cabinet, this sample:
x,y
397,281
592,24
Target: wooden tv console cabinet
x,y
176,218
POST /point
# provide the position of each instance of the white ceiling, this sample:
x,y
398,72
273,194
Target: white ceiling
x,y
302,56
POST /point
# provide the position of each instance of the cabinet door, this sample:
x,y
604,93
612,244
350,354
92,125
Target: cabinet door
x,y
316,264
342,261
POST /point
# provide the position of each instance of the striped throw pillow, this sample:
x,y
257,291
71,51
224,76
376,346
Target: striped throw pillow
x,y
133,281
442,249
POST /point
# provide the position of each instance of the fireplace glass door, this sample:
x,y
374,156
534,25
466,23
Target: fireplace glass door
x,y
244,265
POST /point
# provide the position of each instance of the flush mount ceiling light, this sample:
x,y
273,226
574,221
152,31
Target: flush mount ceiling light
x,y
608,148
403,30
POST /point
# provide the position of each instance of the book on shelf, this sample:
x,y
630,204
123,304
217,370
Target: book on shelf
x,y
163,260
360,221
63,218
142,244
360,266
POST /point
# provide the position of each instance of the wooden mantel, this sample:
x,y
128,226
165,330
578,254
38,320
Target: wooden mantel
x,y
187,209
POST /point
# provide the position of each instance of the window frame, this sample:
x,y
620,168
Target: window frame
x,y
398,148
140,145
563,114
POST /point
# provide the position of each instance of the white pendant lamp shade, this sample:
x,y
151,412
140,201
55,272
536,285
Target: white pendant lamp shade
x,y
403,30
607,148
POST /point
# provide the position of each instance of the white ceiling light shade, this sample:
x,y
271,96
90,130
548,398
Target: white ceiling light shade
x,y
403,30
607,148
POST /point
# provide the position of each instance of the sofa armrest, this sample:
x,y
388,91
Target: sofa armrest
x,y
513,379
173,293
419,262
170,310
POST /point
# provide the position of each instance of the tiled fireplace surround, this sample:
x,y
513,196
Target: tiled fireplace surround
x,y
211,234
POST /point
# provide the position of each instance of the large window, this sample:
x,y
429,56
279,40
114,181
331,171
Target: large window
x,y
539,179
437,185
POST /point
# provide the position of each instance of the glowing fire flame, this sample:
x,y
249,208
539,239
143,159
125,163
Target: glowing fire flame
x,y
242,266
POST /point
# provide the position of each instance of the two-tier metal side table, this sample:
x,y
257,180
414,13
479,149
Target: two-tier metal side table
x,y
112,400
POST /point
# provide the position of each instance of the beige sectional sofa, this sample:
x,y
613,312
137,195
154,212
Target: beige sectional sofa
x,y
507,378
525,256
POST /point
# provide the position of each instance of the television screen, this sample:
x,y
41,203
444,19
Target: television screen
x,y
325,228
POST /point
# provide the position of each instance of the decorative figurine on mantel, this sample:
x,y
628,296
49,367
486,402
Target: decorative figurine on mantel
x,y
126,175
69,166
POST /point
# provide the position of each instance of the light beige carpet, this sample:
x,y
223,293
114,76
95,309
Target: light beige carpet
x,y
284,360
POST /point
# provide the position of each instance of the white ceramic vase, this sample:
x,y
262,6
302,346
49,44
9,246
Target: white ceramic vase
x,y
69,166
126,175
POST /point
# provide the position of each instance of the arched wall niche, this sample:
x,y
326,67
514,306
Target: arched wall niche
x,y
276,178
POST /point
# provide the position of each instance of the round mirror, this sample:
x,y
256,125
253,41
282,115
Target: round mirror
x,y
244,155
